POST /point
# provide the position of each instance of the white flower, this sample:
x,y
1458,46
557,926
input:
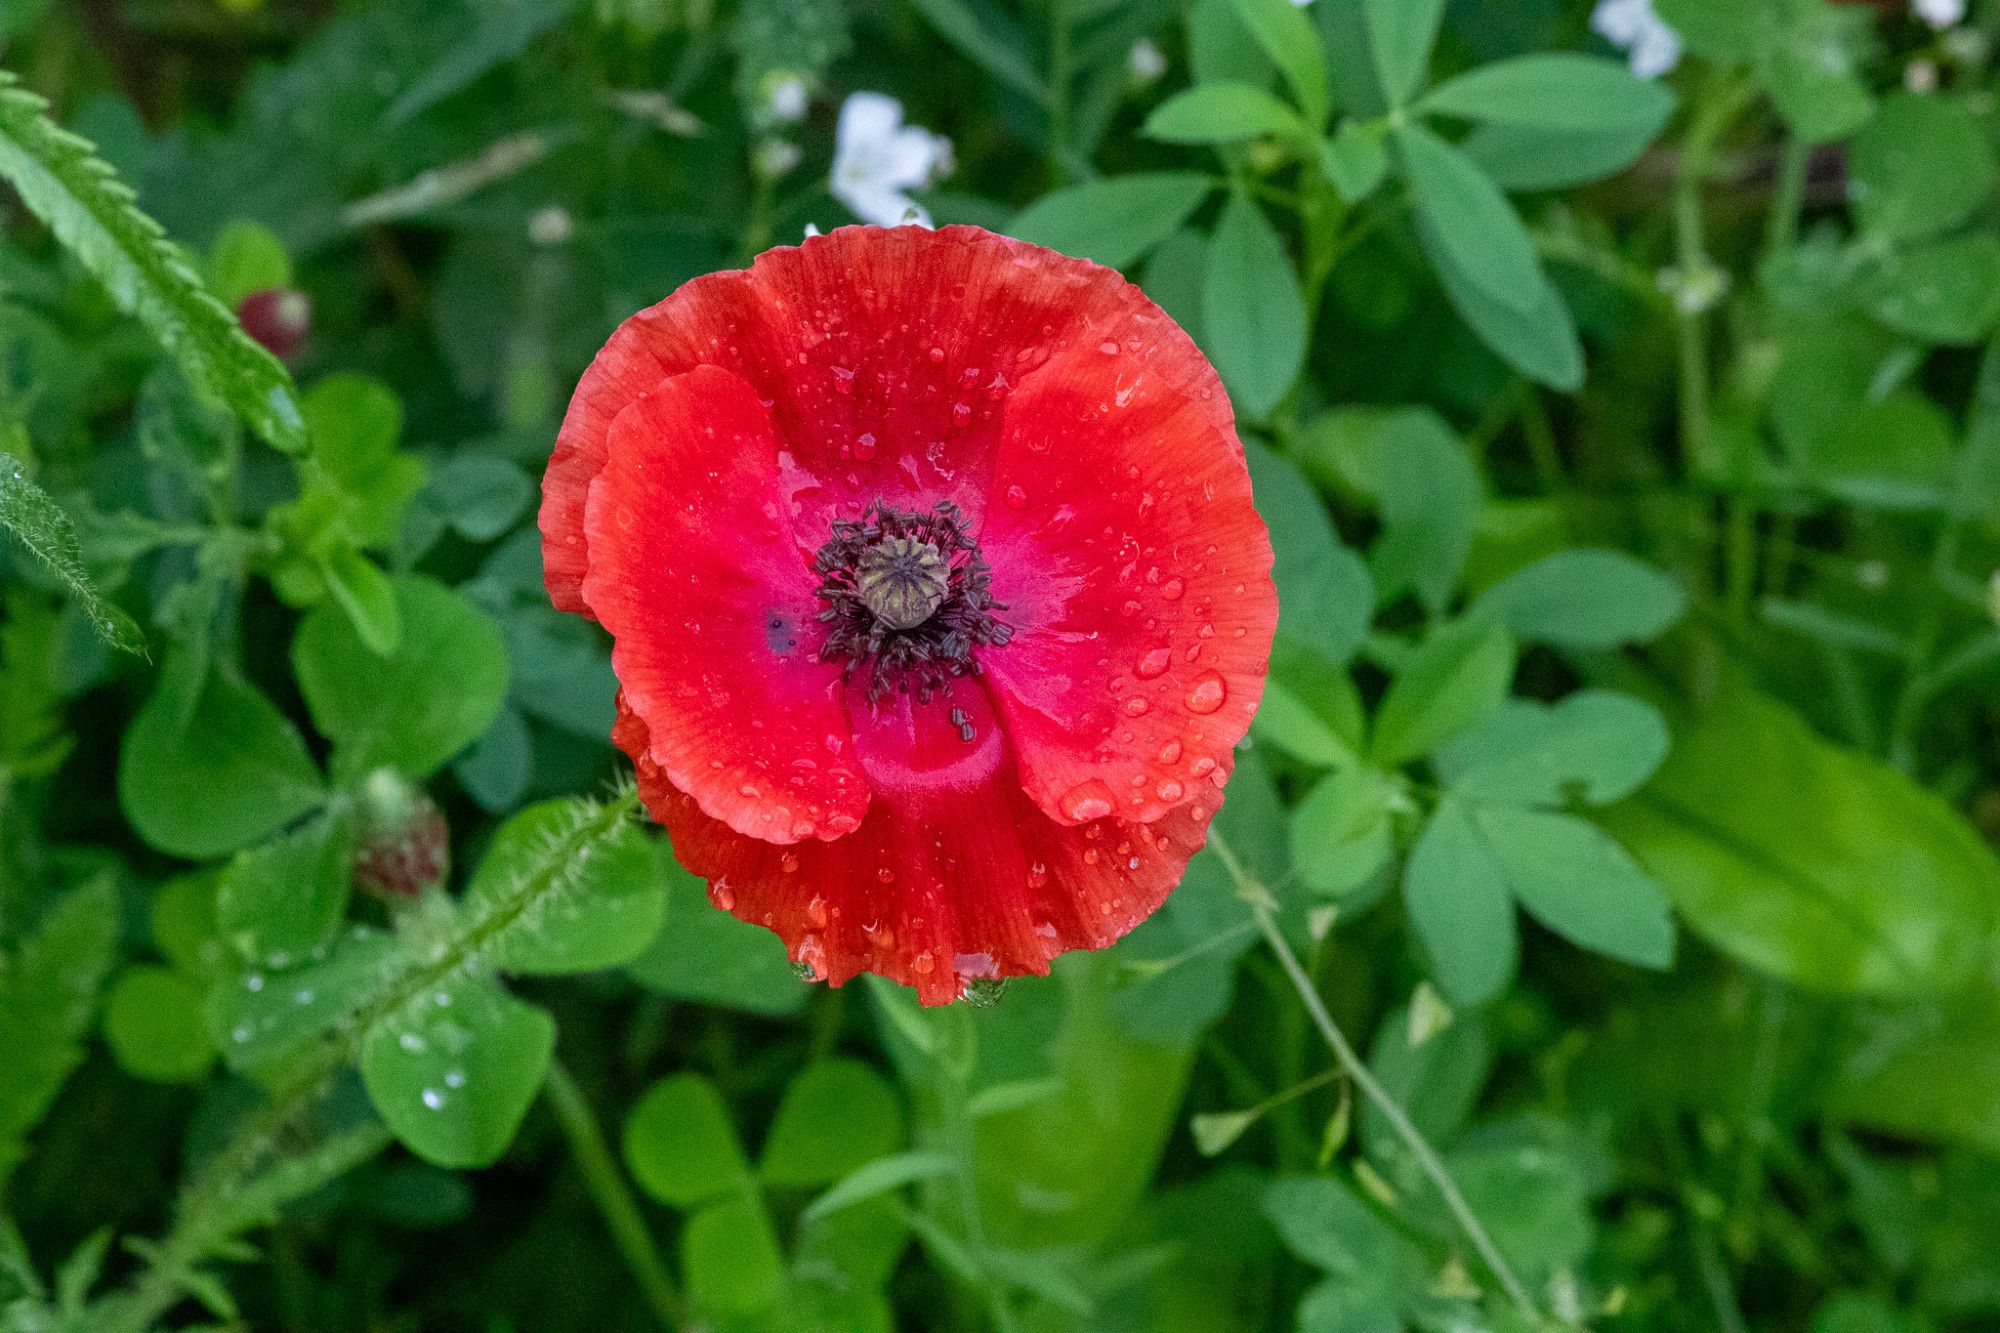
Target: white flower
x,y
1940,14
1146,62
878,160
1634,28
785,97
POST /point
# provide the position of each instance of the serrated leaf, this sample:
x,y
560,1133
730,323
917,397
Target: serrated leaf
x,y
41,526
48,990
608,911
66,184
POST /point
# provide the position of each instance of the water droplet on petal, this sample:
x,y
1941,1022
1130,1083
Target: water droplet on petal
x,y
1016,498
1173,589
816,913
1154,664
923,963
1136,706
1087,801
722,895
1207,693
864,446
1038,875
1170,752
1171,790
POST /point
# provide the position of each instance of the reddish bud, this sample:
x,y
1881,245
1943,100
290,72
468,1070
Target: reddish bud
x,y
402,846
277,317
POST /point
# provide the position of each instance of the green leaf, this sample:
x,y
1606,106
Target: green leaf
x,y
1252,311
1289,39
1430,494
1401,34
153,1023
1896,453
610,908
730,1256
1584,598
1460,909
453,1072
1221,113
1311,711
1812,73
262,1016
878,1178
416,708
1946,292
1541,341
41,526
1594,746
1356,159
1720,30
1533,157
835,1118
703,954
279,902
680,1145
1325,598
1574,879
1472,221
209,765
1921,167
1114,221
49,984
243,258
481,495
1924,1070
354,422
1811,862
1327,1225
1001,55
63,182
1453,681
1555,91
1341,833
365,593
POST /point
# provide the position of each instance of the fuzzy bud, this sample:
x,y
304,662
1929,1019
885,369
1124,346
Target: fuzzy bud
x,y
402,847
277,317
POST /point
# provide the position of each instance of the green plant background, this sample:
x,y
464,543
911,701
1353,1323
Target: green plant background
x,y
1600,931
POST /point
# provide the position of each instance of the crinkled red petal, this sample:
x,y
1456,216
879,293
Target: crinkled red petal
x,y
954,875
1137,577
888,355
712,612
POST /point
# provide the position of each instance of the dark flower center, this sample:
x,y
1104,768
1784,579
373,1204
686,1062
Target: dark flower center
x,y
907,597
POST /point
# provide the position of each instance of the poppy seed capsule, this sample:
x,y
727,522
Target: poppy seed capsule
x,y
902,581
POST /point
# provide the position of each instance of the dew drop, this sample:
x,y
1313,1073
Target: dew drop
x,y
1171,790
923,963
960,413
433,1099
1038,875
816,913
1202,767
1207,693
864,446
1016,498
936,355
722,895
1087,801
1170,752
789,863
1109,347
1173,590
886,875
1136,706
1154,664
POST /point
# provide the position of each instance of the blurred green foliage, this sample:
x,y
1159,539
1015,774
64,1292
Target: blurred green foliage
x,y
1626,783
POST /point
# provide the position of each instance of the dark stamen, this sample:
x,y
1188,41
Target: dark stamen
x,y
906,594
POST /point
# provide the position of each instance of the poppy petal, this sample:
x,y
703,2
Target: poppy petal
x,y
887,355
714,613
954,876
1137,579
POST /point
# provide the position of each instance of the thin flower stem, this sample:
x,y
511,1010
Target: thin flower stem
x,y
614,1201
1260,902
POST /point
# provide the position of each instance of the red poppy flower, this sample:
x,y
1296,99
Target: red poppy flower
x,y
938,599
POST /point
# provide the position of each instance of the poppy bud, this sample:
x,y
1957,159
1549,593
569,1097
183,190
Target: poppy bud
x,y
402,846
277,317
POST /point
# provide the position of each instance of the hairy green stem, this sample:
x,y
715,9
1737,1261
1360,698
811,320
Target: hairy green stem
x,y
614,1201
1261,903
208,1210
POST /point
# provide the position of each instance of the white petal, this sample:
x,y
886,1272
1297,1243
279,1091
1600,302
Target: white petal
x,y
1939,14
880,205
866,119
